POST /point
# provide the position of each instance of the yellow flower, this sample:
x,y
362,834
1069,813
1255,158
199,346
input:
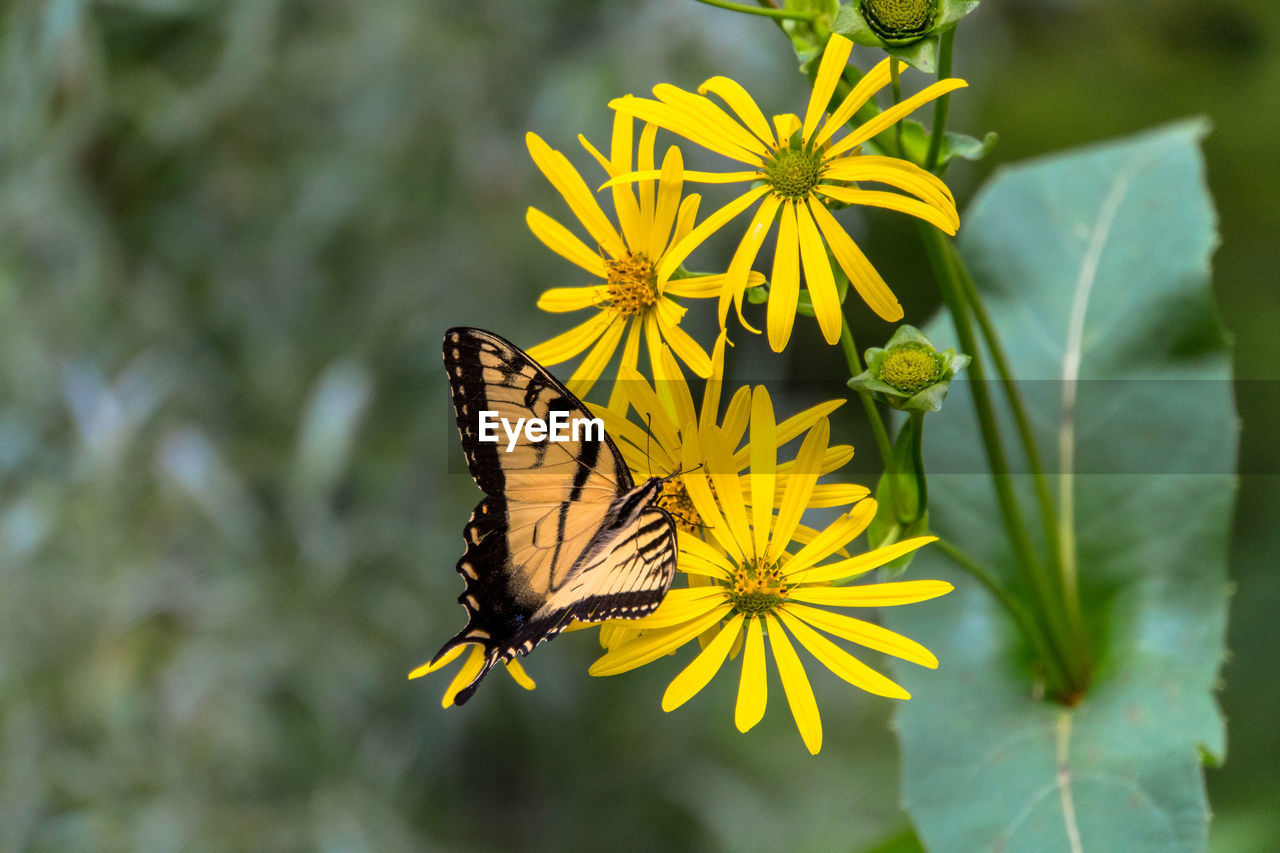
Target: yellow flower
x,y
666,410
629,296
800,169
470,668
757,588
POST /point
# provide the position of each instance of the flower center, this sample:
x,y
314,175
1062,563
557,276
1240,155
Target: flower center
x,y
899,19
632,284
757,588
910,368
675,500
793,173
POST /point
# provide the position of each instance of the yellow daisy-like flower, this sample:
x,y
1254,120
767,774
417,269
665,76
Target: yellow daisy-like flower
x,y
757,588
470,669
629,297
800,168
666,409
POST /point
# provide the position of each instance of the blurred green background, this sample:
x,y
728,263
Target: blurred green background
x,y
231,236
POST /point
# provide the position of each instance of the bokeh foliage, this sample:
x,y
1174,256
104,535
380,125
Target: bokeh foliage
x,y
233,233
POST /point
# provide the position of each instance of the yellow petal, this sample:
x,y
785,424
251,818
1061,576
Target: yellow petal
x,y
745,256
862,563
753,689
644,163
444,660
736,417
784,289
521,677
741,103
682,605
895,172
685,218
651,410
785,126
940,219
654,644
699,673
764,463
592,367
834,59
676,254
836,534
560,172
799,487
470,669
862,275
893,114
685,123
873,595
841,662
875,80
693,547
676,392
864,634
837,494
558,300
698,286
689,350
694,478
712,120
795,684
658,229
728,490
818,275
630,355
711,390
801,421
560,240
566,345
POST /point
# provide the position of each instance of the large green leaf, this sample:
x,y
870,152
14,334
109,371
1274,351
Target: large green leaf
x,y
1093,264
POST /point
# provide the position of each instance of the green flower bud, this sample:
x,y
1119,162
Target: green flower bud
x,y
907,29
908,373
899,21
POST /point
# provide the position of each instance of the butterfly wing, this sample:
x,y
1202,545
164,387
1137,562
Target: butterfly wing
x,y
549,504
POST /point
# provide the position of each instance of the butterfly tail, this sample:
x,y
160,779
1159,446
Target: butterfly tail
x,y
492,656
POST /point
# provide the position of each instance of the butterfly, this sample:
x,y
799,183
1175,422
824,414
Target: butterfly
x,y
563,532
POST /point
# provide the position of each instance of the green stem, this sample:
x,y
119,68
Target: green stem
x,y
756,10
1021,617
917,459
1040,582
941,105
878,431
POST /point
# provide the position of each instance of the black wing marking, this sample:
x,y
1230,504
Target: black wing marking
x,y
546,545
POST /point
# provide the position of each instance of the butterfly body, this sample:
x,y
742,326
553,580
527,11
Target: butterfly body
x,y
563,533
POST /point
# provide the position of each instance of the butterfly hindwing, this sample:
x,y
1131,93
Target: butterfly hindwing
x,y
563,532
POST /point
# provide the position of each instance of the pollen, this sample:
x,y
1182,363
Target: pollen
x,y
757,588
675,500
632,284
910,368
793,173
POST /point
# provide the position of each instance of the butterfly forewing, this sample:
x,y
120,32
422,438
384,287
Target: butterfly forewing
x,y
563,532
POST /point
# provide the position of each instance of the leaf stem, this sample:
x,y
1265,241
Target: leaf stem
x,y
1041,583
756,10
878,431
941,105
1021,617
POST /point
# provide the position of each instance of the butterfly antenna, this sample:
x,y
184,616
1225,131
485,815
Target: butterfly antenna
x,y
648,439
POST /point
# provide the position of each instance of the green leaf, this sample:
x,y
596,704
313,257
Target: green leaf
x,y
1092,263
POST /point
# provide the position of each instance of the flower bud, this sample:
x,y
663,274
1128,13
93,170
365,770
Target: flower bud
x,y
908,373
